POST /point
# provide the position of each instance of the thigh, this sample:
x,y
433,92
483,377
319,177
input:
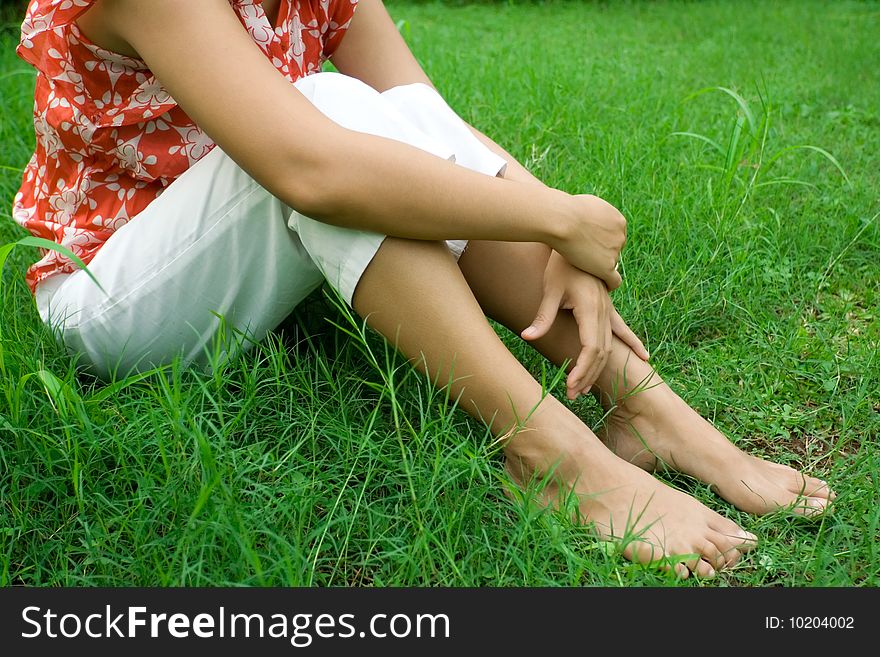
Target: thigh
x,y
210,259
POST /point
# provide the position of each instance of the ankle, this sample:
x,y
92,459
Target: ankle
x,y
644,398
536,452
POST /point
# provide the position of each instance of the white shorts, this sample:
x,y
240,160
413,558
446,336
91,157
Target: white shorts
x,y
217,245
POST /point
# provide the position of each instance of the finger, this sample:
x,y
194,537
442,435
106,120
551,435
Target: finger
x,y
607,332
546,315
586,371
596,362
593,330
587,336
599,356
613,279
582,369
603,330
596,368
626,334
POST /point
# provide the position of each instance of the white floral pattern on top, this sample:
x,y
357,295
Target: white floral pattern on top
x,y
109,136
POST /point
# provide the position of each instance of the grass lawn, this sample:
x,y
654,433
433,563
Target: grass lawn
x,y
752,271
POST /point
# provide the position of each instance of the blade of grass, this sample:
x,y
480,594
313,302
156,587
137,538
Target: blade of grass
x,y
714,144
43,243
740,101
816,149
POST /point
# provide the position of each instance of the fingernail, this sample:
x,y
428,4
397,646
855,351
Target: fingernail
x,y
529,331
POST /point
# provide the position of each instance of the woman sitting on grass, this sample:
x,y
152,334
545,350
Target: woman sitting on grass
x,y
358,179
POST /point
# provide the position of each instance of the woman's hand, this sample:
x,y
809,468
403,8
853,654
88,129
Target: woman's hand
x,y
592,237
569,288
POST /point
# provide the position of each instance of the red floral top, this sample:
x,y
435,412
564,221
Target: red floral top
x,y
110,138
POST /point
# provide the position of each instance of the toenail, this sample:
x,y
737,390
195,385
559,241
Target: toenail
x,y
711,572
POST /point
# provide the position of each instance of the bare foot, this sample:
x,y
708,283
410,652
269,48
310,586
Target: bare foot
x,y
655,522
654,428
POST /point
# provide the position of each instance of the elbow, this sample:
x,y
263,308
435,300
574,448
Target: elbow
x,y
311,198
318,179
307,185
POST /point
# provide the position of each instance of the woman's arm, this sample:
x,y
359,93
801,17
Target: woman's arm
x,y
374,52
209,64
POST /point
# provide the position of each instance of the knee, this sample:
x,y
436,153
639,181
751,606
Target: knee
x,y
332,93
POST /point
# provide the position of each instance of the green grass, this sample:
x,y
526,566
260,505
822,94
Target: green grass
x,y
303,463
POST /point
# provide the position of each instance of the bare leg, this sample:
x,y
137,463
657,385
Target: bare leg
x,y
415,295
653,426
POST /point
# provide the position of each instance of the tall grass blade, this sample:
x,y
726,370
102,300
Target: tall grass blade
x,y
743,105
786,181
828,156
733,148
43,243
714,144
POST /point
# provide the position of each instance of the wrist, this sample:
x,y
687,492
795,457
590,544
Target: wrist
x,y
559,218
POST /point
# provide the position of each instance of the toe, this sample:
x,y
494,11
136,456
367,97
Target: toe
x,y
730,535
805,485
734,542
819,488
811,486
715,557
727,552
721,524
642,551
748,541
810,506
647,553
701,561
701,564
704,569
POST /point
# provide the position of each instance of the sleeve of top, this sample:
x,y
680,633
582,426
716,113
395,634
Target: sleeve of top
x,y
43,40
339,15
110,89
